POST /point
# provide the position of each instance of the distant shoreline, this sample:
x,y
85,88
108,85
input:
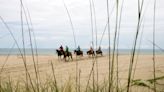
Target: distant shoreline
x,y
6,51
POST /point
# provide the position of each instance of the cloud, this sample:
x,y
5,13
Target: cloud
x,y
52,26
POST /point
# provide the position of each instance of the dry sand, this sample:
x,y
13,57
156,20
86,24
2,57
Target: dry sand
x,y
14,67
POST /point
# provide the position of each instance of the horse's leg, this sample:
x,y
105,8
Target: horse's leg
x,y
89,55
58,57
64,57
68,57
81,53
93,54
71,57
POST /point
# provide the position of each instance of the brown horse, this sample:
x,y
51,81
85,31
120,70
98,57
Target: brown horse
x,y
91,53
67,54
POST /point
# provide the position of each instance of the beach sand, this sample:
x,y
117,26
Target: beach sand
x,y
14,68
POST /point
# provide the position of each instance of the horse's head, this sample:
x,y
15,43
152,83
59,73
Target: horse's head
x,y
57,50
87,52
75,51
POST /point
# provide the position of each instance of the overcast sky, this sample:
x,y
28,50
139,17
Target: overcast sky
x,y
52,26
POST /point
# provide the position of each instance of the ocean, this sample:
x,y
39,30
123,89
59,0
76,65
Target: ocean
x,y
15,51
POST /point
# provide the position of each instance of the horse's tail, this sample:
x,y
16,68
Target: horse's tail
x,y
57,51
82,53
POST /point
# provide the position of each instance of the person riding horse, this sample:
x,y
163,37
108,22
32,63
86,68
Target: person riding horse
x,y
78,51
60,51
91,51
99,51
67,53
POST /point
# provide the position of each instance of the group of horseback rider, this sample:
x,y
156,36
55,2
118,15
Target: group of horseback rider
x,y
67,49
78,50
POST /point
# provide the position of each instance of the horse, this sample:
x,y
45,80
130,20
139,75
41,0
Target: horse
x,y
99,52
78,53
67,54
64,53
91,53
60,53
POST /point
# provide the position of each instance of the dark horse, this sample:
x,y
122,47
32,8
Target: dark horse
x,y
65,54
78,53
60,53
99,52
91,53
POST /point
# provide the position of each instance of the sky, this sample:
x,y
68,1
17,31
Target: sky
x,y
52,27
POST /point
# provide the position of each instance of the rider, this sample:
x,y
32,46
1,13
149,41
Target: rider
x,y
91,49
61,48
78,48
99,49
67,49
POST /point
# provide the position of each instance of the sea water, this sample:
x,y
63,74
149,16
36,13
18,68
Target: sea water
x,y
51,51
